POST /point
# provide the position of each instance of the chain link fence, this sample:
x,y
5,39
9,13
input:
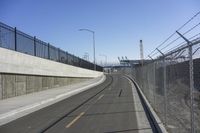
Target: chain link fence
x,y
171,84
13,39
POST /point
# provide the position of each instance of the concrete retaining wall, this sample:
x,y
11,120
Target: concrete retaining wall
x,y
15,85
22,74
1,91
19,63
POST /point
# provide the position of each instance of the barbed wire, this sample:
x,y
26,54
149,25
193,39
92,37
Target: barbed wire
x,y
180,44
180,37
154,52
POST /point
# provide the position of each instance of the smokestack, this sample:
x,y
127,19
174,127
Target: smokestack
x,y
141,52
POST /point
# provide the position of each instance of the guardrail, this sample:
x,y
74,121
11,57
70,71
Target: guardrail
x,y
13,39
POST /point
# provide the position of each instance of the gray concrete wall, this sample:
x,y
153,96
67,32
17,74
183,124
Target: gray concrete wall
x,y
17,70
20,84
19,63
1,91
12,85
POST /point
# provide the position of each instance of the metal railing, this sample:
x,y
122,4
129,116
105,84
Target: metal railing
x,y
13,39
171,83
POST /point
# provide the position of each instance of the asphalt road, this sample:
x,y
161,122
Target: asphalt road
x,y
105,108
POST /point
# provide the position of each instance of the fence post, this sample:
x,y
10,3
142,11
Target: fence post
x,y
191,81
59,60
154,85
79,61
48,51
165,86
15,31
191,88
1,43
34,45
165,90
73,60
154,81
67,58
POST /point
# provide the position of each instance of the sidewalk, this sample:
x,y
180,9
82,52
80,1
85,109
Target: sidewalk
x,y
16,107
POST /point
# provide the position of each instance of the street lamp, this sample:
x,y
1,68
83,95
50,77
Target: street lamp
x,y
105,58
93,33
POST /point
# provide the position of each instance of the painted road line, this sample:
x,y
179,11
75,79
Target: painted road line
x,y
81,114
95,102
120,93
9,116
74,120
100,97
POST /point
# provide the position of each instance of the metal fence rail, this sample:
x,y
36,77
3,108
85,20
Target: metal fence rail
x,y
13,39
171,83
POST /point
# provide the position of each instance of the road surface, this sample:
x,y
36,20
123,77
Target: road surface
x,y
106,108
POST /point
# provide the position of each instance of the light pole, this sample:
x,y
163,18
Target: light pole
x,y
93,33
105,58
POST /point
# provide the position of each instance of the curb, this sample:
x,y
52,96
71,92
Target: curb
x,y
156,119
22,111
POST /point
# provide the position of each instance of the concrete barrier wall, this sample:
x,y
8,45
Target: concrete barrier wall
x,y
15,85
1,90
22,74
19,63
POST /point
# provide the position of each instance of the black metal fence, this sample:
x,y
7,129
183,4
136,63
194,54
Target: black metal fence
x,y
13,39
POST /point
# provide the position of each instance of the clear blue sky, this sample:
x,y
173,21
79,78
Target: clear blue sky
x,y
119,24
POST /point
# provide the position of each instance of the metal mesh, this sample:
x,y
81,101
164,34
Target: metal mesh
x,y
62,56
168,86
7,37
196,92
178,92
70,59
25,43
76,61
13,39
53,53
41,49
